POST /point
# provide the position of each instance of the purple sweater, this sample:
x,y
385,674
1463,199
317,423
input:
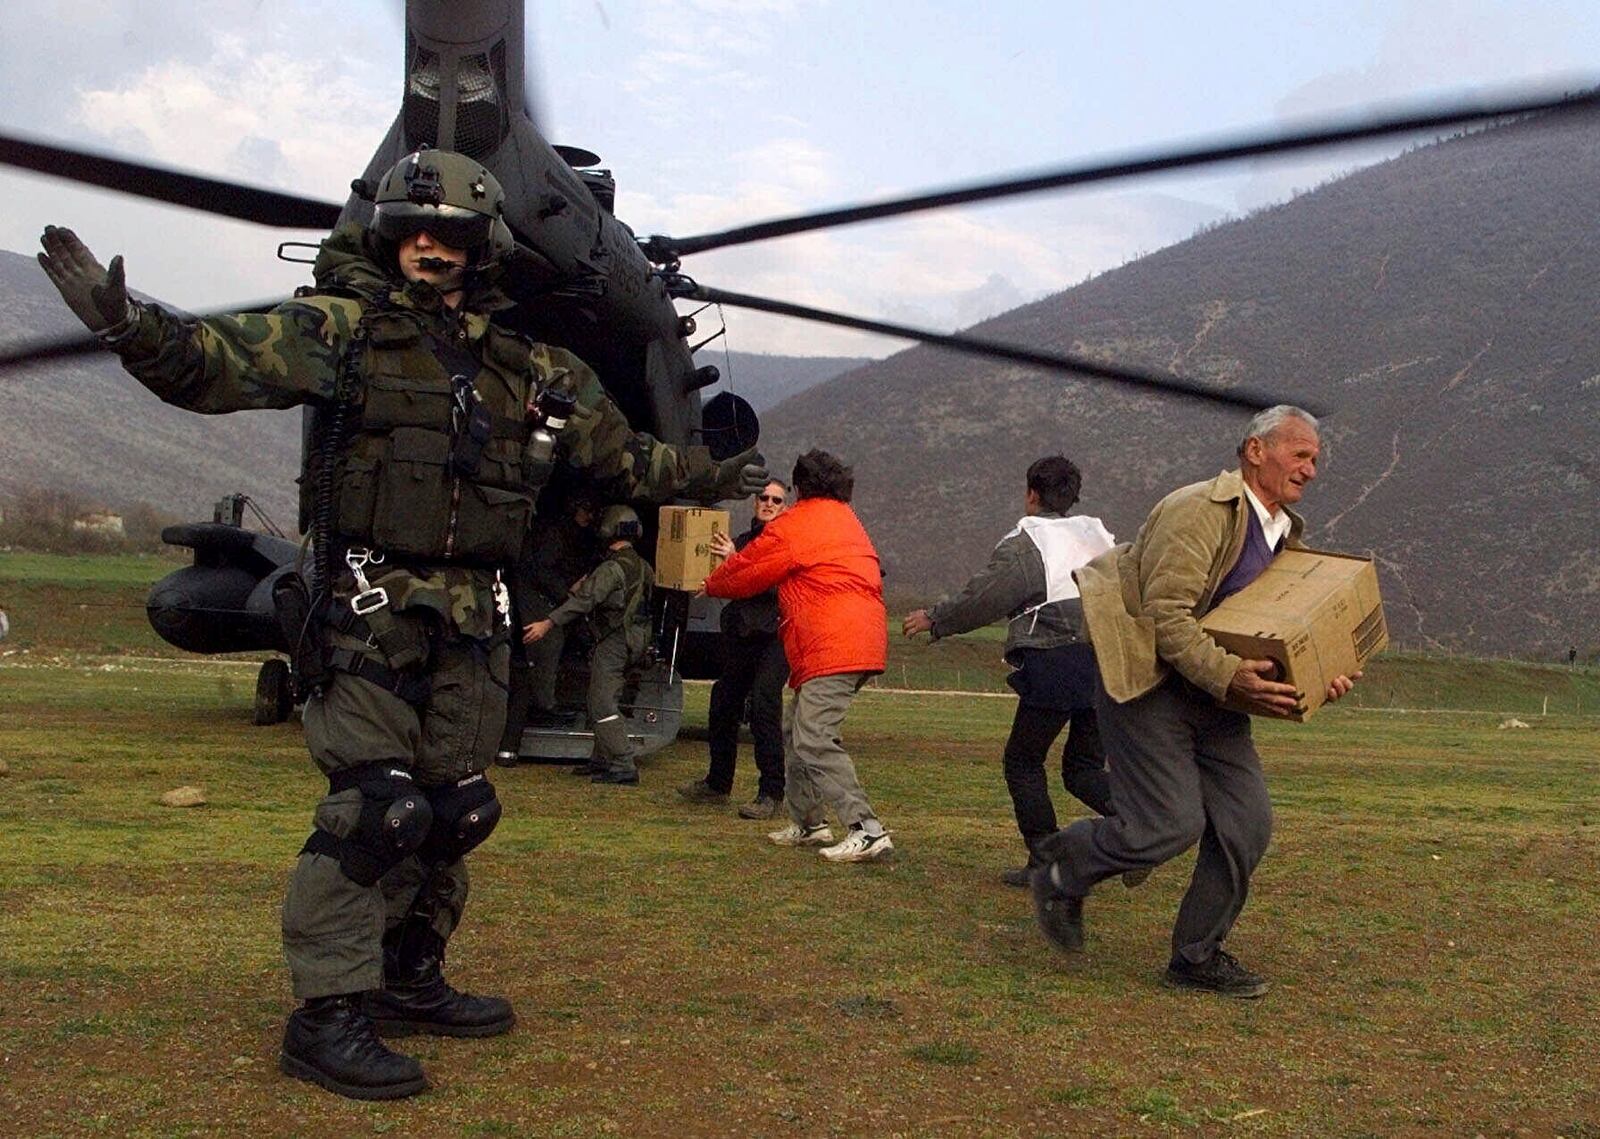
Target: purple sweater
x,y
1254,558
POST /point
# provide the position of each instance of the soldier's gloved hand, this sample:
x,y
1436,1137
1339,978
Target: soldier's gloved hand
x,y
97,296
741,476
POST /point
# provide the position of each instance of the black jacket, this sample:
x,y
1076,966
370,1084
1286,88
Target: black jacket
x,y
751,616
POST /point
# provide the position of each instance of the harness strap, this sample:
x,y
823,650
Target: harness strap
x,y
400,646
413,688
323,842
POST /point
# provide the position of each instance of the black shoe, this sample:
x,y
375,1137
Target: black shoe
x,y
416,998
1021,877
702,792
332,1043
763,806
627,778
507,758
1059,914
1222,975
435,1008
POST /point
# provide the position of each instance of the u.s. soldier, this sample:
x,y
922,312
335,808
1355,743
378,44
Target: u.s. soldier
x,y
615,595
436,434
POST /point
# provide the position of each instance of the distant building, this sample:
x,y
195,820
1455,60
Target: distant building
x,y
99,522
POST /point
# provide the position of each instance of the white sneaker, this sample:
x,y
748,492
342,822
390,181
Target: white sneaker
x,y
794,834
859,846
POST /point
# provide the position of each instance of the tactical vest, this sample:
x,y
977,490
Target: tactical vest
x,y
438,467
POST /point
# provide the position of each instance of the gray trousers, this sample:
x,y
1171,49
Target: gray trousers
x,y
608,676
333,927
818,773
1183,770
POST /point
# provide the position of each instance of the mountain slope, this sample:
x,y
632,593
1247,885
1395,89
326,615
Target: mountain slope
x,y
1439,305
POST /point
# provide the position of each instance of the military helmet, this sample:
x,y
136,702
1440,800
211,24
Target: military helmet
x,y
448,195
620,523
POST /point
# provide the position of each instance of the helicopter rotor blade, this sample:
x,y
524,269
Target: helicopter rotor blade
x,y
1165,382
175,187
663,250
85,343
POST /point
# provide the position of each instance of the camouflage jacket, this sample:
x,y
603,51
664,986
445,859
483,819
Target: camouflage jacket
x,y
295,354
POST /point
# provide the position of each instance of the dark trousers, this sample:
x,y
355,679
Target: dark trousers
x,y
1185,772
1083,767
533,682
754,669
333,928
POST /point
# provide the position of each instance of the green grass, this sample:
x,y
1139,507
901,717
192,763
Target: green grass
x,y
57,602
1426,913
105,569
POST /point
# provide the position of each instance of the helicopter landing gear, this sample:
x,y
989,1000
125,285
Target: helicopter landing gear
x,y
274,693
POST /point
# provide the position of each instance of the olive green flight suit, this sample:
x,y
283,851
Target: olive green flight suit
x,y
616,596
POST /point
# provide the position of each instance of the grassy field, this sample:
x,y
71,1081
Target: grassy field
x,y
59,604
1427,913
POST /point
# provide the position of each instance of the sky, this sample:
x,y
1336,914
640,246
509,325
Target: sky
x,y
713,113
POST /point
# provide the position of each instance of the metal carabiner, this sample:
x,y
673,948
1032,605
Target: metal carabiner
x,y
367,599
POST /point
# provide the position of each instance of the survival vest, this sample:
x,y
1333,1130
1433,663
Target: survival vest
x,y
439,463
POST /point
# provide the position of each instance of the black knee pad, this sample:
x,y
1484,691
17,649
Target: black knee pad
x,y
464,813
395,819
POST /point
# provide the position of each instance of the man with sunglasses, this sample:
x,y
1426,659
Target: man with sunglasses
x,y
754,669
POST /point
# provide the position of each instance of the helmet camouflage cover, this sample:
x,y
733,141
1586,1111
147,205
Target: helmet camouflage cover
x,y
447,195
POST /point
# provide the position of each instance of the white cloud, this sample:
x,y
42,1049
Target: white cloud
x,y
215,116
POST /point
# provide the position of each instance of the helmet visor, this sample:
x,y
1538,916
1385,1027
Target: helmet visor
x,y
454,226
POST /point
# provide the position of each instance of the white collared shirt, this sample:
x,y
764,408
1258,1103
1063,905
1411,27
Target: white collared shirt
x,y
1273,526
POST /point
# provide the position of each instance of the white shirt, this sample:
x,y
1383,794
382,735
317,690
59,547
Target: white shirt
x,y
1064,544
1273,526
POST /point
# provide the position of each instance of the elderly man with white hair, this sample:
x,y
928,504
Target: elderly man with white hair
x,y
1184,769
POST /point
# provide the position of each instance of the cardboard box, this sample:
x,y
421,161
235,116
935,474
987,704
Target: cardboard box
x,y
683,546
1317,614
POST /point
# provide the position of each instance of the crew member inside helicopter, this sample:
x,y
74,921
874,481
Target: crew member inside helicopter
x,y
615,597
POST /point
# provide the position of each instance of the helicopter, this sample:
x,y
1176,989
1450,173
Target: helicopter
x,y
585,281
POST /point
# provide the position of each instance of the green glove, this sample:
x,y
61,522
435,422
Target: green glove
x,y
741,476
96,295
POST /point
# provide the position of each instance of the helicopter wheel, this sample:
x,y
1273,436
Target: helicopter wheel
x,y
274,694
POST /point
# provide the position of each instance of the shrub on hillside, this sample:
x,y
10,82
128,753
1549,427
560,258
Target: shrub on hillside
x,y
51,521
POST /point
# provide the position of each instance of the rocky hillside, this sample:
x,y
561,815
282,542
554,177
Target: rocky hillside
x,y
1439,307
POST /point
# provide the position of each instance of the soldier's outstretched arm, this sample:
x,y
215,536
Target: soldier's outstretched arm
x,y
590,593
635,465
218,364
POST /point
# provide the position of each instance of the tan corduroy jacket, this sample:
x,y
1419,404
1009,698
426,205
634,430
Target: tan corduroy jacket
x,y
1143,602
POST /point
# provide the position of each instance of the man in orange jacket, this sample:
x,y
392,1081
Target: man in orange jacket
x,y
835,633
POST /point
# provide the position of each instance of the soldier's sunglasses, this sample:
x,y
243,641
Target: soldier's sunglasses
x,y
775,499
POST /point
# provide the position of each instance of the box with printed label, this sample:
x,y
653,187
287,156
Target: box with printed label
x,y
1316,614
683,546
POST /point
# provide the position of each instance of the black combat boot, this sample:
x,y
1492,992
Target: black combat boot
x,y
331,1042
416,998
